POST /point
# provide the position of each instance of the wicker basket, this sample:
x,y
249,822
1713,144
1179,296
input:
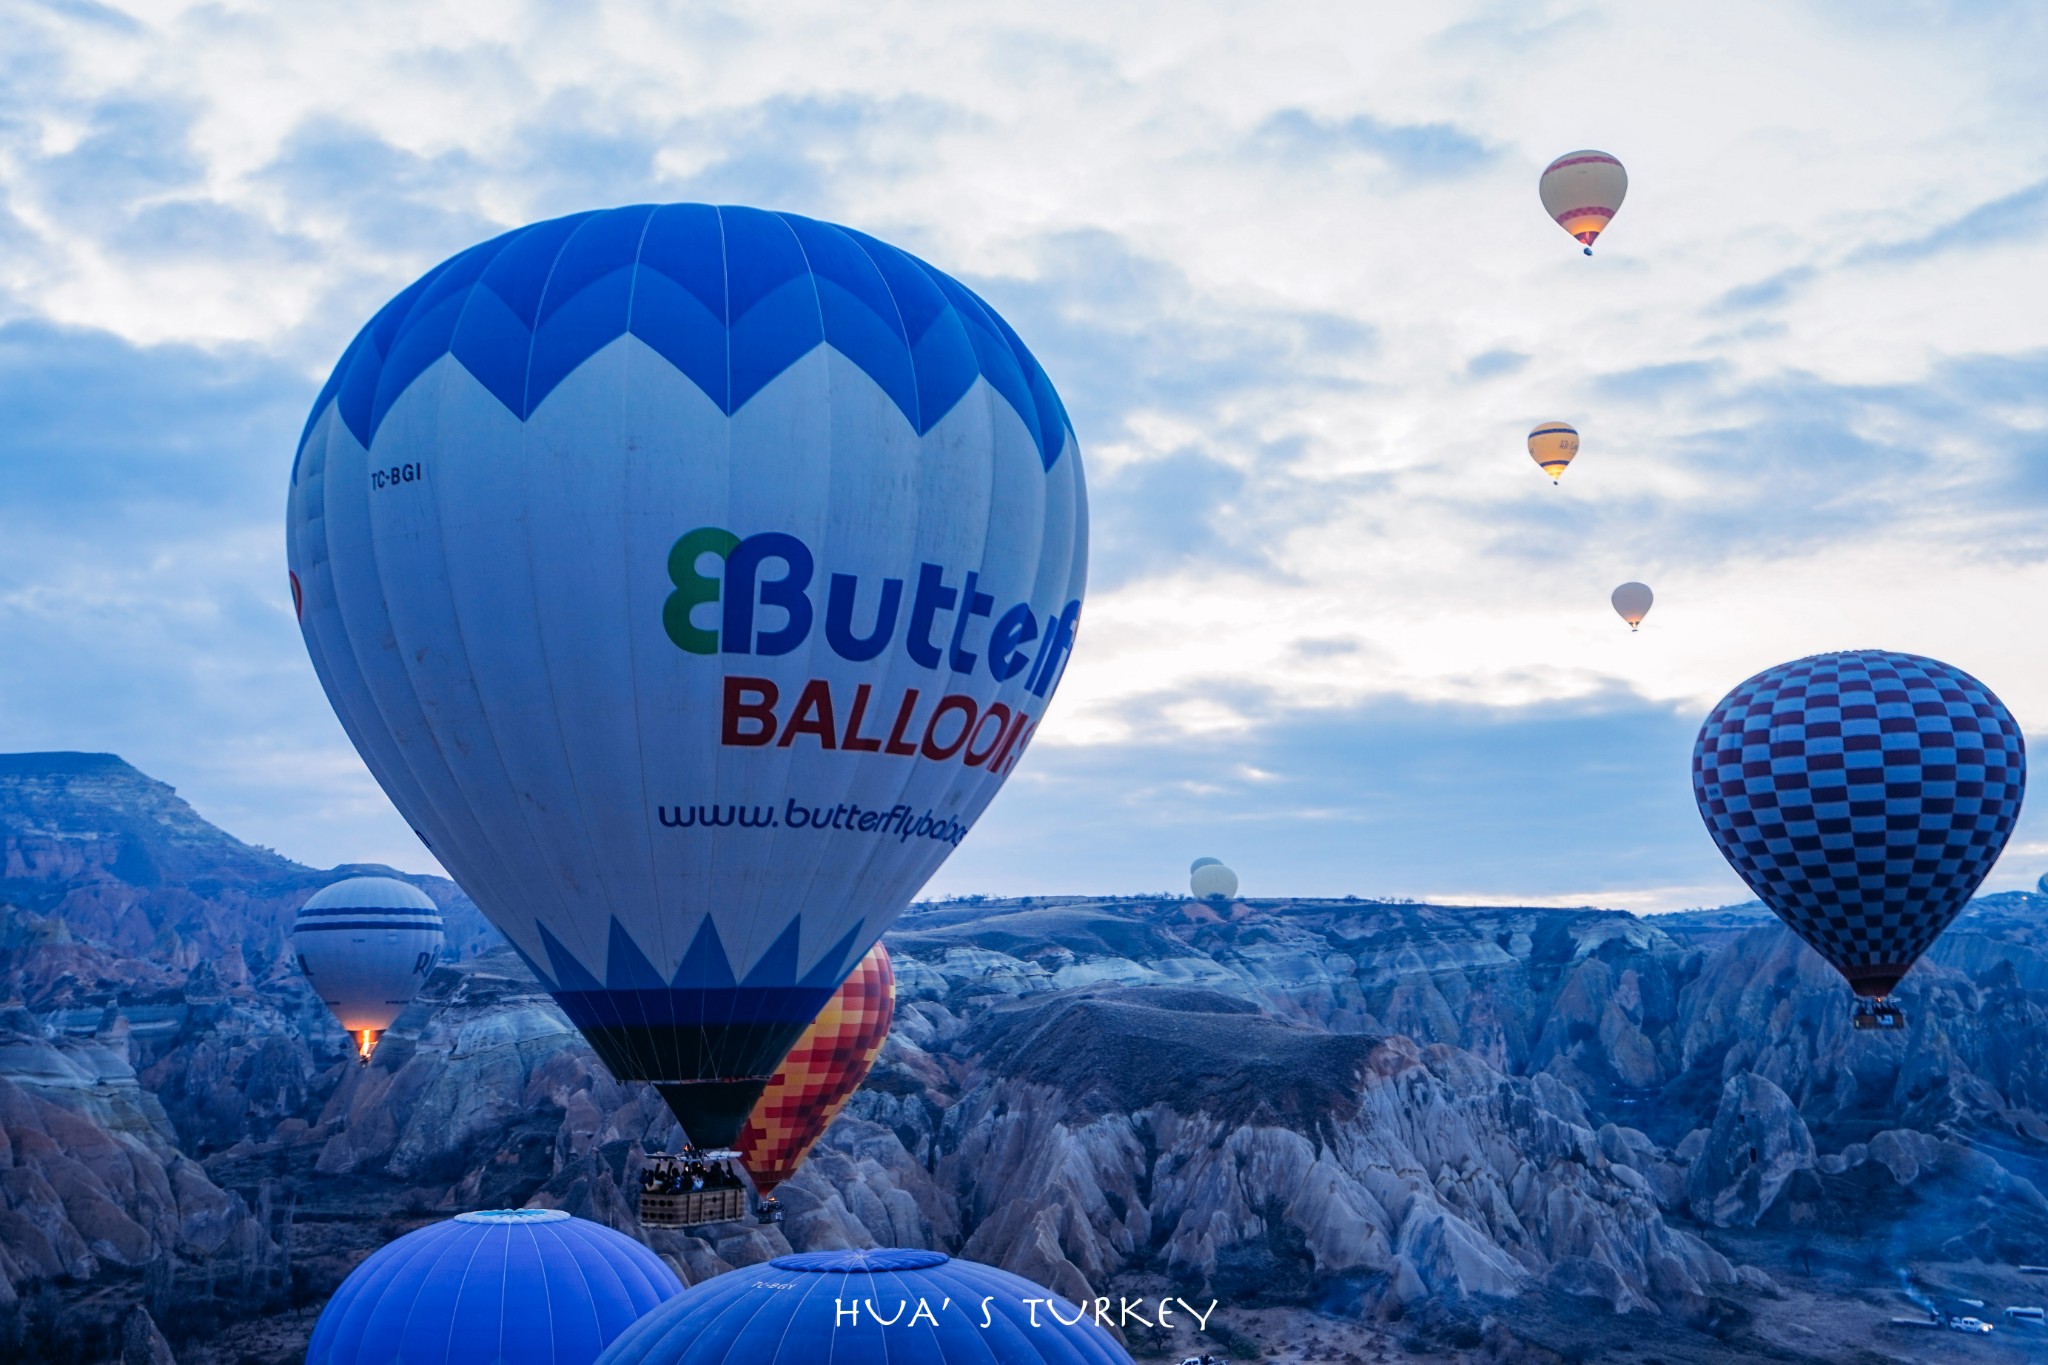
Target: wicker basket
x,y
689,1210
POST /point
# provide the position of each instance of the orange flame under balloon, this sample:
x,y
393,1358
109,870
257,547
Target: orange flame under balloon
x,y
820,1073
366,1043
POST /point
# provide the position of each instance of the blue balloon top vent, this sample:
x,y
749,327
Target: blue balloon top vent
x,y
513,1216
875,1261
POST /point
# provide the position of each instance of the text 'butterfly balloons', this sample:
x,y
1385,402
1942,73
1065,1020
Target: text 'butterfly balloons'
x,y
1863,796
690,578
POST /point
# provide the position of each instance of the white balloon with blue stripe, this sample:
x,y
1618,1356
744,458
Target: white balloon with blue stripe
x,y
367,945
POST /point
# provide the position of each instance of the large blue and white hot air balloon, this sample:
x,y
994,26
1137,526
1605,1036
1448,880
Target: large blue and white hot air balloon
x,y
690,578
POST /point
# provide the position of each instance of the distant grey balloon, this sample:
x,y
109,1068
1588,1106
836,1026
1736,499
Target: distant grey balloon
x,y
1211,880
367,944
1632,601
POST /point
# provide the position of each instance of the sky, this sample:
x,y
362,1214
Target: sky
x,y
1287,267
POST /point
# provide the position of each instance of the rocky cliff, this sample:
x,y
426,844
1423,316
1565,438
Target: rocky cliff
x,y
92,850
1503,1133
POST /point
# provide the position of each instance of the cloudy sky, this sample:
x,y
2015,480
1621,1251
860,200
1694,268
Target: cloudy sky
x,y
1287,267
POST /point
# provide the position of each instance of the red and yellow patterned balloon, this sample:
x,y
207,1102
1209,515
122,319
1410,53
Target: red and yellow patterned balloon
x,y
820,1073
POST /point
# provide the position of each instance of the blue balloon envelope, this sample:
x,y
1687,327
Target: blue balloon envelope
x,y
882,1307
1863,796
691,578
503,1287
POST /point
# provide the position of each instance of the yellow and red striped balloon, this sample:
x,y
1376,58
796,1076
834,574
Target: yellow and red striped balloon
x,y
1583,191
820,1073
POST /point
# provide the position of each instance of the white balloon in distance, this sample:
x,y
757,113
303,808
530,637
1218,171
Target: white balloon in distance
x,y
367,945
1582,191
690,578
1210,879
1632,602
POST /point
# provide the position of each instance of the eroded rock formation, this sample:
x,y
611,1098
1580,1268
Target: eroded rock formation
x,y
1379,1110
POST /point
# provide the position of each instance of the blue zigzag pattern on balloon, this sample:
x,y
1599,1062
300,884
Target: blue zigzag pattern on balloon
x,y
705,967
731,297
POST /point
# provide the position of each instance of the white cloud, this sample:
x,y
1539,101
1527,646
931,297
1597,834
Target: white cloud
x,y
1282,261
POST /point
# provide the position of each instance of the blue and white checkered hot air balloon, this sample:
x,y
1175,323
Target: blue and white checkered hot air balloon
x,y
690,578
1863,796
